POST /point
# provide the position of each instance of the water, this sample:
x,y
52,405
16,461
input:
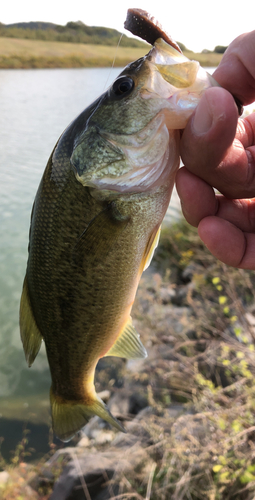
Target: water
x,y
36,106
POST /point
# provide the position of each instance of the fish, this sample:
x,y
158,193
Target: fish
x,y
95,224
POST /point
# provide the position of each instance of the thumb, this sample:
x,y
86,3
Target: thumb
x,y
209,133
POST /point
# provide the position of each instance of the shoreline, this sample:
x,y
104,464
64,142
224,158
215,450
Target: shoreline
x,y
16,53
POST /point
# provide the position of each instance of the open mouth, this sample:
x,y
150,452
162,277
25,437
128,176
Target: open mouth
x,y
176,80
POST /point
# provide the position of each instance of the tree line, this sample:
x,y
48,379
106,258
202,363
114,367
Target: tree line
x,y
72,32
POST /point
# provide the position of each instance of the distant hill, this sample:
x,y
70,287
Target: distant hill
x,y
73,32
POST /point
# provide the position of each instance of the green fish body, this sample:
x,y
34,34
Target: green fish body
x,y
95,223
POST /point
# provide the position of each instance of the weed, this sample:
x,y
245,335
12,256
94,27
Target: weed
x,y
203,358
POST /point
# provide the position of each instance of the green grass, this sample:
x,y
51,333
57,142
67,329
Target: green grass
x,y
22,53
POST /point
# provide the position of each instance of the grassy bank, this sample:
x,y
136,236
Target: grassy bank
x,y
21,53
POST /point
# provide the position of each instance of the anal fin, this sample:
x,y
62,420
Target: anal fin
x,y
128,344
30,334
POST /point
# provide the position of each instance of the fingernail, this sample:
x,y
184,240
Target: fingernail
x,y
203,118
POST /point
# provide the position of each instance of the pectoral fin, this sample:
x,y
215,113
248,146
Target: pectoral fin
x,y
100,236
128,344
150,248
30,333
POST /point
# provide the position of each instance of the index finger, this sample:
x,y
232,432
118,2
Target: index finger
x,y
226,163
236,71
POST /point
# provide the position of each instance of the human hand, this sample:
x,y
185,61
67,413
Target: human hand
x,y
218,150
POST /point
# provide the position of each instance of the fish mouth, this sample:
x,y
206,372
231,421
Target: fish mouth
x,y
173,66
178,81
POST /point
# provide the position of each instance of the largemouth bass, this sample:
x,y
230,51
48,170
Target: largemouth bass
x,y
95,223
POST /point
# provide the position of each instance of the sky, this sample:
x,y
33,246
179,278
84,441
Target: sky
x,y
196,23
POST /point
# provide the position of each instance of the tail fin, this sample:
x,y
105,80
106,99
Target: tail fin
x,y
68,418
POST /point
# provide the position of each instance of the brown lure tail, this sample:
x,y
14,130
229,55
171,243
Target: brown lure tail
x,y
142,24
145,26
69,417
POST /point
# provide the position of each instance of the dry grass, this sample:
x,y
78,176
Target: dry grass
x,y
201,357
23,53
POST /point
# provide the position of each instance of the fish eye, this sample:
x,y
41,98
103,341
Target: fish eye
x,y
123,86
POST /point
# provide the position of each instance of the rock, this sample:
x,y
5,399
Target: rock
x,y
194,429
167,294
192,334
4,477
119,404
180,296
95,427
250,318
175,410
136,433
169,318
105,436
28,493
84,442
168,339
104,395
188,272
88,476
127,402
96,432
135,365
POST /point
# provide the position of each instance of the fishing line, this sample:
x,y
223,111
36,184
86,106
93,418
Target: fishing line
x,y
114,59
